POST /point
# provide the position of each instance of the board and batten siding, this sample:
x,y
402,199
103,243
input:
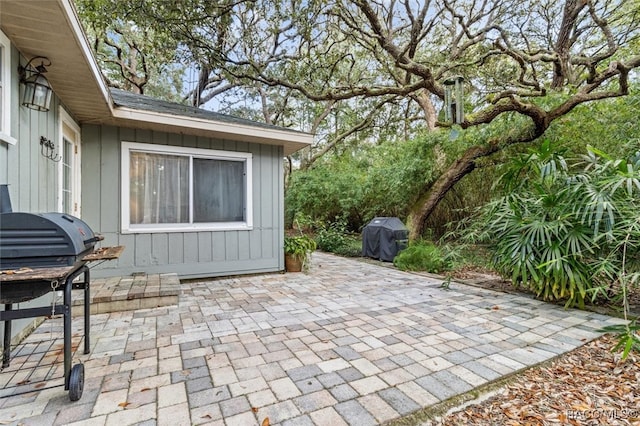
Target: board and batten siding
x,y
32,178
193,254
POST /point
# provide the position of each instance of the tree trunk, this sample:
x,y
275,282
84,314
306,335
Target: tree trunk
x,y
203,80
456,171
464,165
430,114
564,43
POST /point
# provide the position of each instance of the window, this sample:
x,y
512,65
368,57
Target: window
x,y
67,172
166,188
5,90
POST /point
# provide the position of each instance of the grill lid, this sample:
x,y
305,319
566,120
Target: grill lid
x,y
43,239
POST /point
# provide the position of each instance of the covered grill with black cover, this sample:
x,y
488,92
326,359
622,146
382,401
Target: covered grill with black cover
x,y
383,238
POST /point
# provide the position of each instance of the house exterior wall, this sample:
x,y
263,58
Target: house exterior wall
x,y
32,178
191,254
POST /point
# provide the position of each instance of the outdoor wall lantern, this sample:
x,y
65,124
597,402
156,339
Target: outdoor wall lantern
x,y
454,99
37,90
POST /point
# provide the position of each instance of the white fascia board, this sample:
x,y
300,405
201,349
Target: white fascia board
x,y
220,128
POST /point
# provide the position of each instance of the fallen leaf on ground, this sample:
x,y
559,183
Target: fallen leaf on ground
x,y
585,386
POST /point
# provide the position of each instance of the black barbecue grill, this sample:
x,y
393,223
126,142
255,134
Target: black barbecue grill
x,y
39,253
45,240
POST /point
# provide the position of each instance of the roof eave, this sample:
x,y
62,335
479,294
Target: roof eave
x,y
291,141
52,29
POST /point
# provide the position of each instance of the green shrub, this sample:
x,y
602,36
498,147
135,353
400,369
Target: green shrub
x,y
422,256
374,180
322,194
335,239
352,247
558,230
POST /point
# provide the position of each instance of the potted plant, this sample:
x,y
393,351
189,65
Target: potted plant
x,y
297,252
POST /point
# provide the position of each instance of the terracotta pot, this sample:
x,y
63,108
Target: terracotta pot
x,y
292,264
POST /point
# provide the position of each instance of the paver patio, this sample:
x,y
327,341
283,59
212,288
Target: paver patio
x,y
349,343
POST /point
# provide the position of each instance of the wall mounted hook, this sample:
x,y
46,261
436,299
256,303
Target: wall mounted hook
x,y
47,149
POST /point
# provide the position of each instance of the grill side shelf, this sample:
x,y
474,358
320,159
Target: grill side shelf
x,y
36,274
104,253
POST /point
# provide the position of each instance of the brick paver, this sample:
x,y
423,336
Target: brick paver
x,y
348,343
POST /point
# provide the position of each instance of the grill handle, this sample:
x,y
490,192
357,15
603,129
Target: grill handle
x,y
5,199
94,239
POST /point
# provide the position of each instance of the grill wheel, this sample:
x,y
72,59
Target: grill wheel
x,y
76,382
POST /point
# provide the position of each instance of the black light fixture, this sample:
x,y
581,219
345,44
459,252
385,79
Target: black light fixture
x,y
37,90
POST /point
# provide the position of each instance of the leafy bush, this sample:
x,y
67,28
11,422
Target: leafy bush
x,y
423,256
558,229
612,125
326,192
352,247
378,180
335,239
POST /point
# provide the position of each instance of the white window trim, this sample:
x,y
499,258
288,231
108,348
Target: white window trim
x,y
128,228
65,118
5,117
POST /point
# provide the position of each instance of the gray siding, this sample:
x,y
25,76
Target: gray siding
x,y
32,178
190,254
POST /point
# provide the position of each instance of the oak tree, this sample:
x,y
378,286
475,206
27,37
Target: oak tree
x,y
382,64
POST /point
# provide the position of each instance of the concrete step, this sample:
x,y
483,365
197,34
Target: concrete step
x,y
139,291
